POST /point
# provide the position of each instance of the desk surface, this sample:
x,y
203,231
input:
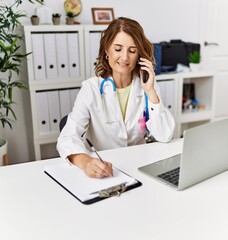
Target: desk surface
x,y
34,207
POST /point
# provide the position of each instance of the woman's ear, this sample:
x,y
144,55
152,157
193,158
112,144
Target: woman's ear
x,y
106,55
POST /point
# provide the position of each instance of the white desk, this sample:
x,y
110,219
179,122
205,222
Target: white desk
x,y
34,207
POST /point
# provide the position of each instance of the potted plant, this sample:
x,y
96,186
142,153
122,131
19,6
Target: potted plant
x,y
194,60
56,18
4,160
35,20
70,18
10,65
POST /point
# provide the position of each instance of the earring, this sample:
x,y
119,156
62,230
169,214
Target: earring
x,y
106,57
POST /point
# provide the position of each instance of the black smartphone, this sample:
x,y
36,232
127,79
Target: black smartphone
x,y
145,76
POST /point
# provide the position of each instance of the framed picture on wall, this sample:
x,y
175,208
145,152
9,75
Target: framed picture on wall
x,y
102,15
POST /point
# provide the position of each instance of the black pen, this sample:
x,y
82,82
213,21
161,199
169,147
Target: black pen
x,y
93,148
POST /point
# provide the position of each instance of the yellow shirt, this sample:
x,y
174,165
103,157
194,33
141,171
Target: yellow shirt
x,y
123,95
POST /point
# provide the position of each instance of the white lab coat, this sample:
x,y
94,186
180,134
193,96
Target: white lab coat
x,y
99,118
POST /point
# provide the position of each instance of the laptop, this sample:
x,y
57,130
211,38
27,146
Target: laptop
x,y
204,155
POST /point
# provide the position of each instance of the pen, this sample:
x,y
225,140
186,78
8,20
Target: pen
x,y
93,148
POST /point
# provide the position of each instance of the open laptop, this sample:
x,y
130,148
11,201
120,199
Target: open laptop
x,y
204,154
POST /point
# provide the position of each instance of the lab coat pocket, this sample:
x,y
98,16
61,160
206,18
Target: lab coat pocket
x,y
137,133
110,107
142,124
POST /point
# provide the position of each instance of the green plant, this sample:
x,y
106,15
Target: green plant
x,y
10,58
56,15
70,14
194,57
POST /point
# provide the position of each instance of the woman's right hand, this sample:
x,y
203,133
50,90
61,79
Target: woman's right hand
x,y
93,167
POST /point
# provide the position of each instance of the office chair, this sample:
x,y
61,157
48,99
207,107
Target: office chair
x,y
62,122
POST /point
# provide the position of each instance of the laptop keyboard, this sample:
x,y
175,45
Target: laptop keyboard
x,y
171,176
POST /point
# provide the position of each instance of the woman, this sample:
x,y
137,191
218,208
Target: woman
x,y
116,108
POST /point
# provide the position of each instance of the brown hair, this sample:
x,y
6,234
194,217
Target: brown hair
x,y
132,28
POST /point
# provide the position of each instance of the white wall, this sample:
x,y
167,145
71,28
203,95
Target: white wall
x,y
162,20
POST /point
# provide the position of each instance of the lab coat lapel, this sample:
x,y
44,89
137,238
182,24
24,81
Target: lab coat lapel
x,y
134,98
110,102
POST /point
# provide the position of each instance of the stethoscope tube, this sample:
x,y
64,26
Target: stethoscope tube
x,y
103,82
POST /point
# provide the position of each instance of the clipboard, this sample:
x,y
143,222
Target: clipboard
x,y
90,190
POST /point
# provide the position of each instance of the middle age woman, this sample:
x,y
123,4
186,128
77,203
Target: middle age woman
x,y
116,108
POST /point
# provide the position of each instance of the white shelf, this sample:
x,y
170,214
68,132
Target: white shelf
x,y
197,74
94,28
195,115
161,77
52,28
50,85
46,138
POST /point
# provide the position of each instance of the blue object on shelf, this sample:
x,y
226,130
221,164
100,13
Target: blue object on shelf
x,y
158,57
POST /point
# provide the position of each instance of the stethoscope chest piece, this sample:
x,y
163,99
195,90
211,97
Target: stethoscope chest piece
x,y
148,137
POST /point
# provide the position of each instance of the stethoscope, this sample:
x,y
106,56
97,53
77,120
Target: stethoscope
x,y
148,137
109,101
103,82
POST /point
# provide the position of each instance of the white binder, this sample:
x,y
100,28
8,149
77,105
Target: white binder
x,y
170,95
65,102
50,55
54,110
73,54
167,93
38,56
42,112
162,87
62,55
73,95
94,49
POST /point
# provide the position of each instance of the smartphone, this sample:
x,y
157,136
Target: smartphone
x,y
145,76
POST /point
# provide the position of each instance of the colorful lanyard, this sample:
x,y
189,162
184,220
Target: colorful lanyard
x,y
148,137
146,112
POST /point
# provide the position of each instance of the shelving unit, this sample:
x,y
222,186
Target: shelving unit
x,y
55,72
204,94
57,91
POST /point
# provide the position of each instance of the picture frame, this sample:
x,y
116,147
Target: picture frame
x,y
102,15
